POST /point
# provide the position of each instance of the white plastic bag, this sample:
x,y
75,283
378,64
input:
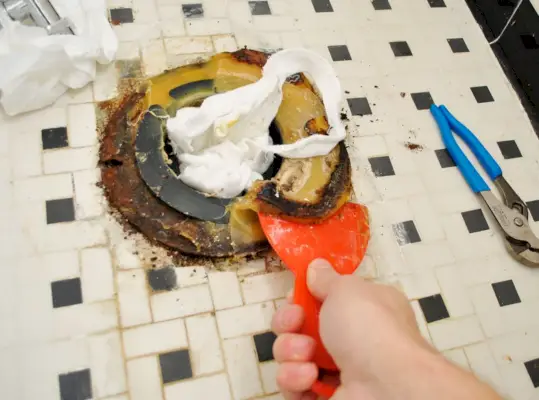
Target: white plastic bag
x,y
37,68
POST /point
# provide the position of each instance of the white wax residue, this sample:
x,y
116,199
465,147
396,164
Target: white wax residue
x,y
224,145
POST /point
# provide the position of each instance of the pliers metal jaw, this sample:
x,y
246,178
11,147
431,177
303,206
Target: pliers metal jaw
x,y
511,213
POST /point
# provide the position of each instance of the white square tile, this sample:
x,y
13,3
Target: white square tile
x,y
145,11
517,382
181,302
137,32
107,364
63,265
133,298
458,357
225,290
426,219
242,368
96,275
245,320
25,153
215,8
106,82
72,235
449,333
144,378
268,371
204,345
191,276
208,26
186,45
43,188
172,28
420,319
210,387
223,43
84,319
124,255
67,160
82,129
367,269
507,319
128,51
482,363
89,199
421,256
179,60
267,287
454,291
252,267
155,338
171,11
517,347
419,285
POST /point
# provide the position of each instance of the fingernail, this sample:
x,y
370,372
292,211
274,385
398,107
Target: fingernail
x,y
289,316
315,267
306,369
299,347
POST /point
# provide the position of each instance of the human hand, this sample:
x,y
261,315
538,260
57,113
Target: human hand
x,y
371,332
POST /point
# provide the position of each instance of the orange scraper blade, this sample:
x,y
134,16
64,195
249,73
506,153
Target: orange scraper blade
x,y
341,239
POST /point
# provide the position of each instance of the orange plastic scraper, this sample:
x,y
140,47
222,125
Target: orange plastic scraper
x,y
342,240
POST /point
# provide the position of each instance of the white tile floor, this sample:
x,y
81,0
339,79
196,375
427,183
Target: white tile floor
x,y
79,318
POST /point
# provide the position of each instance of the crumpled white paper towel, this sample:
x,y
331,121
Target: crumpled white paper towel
x,y
224,146
36,69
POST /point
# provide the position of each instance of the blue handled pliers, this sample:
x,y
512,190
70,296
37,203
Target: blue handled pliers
x,y
512,214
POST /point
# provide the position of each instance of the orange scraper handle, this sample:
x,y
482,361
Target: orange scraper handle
x,y
311,307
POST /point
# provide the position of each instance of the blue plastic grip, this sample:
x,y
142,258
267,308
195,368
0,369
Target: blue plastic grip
x,y
488,163
475,181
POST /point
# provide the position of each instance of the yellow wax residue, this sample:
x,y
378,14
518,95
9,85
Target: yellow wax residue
x,y
302,178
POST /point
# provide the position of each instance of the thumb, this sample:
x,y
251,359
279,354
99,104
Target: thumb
x,y
320,277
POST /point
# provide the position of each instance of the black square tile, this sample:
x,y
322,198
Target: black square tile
x,y
381,4
406,233
162,279
529,41
322,6
482,94
381,166
422,100
475,221
259,8
54,138
533,206
532,367
339,53
175,366
264,346
433,308
400,49
509,149
61,210
444,158
195,10
506,293
458,45
66,293
359,106
436,3
121,16
76,385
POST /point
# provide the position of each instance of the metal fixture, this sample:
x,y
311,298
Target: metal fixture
x,y
40,12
